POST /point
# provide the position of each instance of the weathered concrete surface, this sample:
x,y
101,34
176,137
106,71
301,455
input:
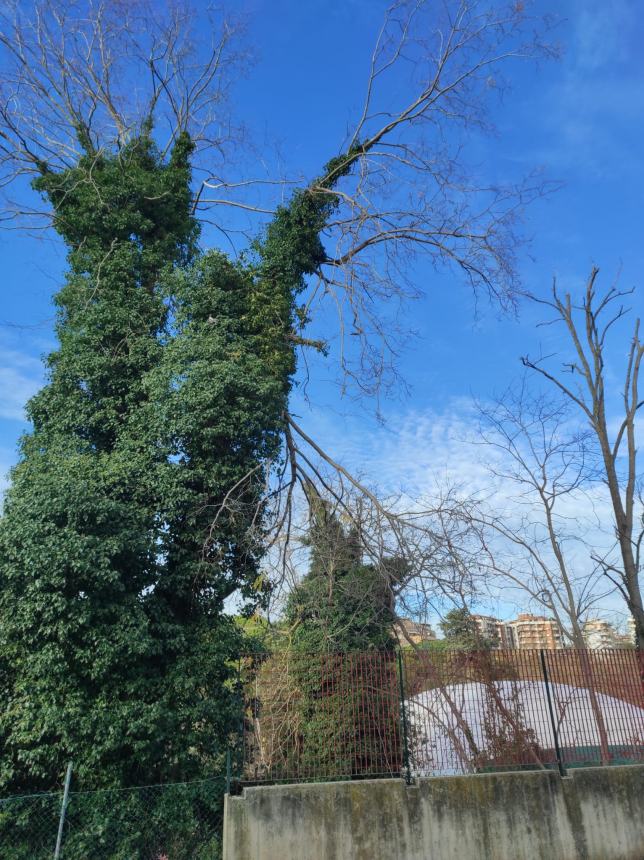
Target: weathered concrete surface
x,y
593,814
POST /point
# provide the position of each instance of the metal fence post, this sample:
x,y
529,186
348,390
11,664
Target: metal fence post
x,y
239,749
403,712
551,711
63,811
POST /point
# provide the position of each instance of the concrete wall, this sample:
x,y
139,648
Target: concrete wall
x,y
593,814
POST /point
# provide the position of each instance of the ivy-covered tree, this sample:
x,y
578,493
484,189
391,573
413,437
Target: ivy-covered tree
x,y
341,616
217,404
113,578
78,536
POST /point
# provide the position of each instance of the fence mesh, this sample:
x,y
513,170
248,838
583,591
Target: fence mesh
x,y
29,826
180,821
420,713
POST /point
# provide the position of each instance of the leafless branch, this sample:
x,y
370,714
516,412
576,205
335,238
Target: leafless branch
x,y
84,77
409,196
586,326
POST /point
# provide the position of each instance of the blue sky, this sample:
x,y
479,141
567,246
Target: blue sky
x,y
580,118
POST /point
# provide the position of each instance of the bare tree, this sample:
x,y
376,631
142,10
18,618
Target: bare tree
x,y
535,539
582,380
85,76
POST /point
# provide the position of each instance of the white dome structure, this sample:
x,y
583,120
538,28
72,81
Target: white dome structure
x,y
460,728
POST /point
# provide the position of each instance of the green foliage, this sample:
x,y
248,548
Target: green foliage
x,y
290,250
181,821
115,651
341,604
461,633
342,609
124,219
218,409
136,507
435,646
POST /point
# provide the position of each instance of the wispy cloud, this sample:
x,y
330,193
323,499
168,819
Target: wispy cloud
x,y
596,97
21,375
420,453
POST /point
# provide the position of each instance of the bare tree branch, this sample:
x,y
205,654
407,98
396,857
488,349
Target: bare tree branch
x,y
85,76
586,326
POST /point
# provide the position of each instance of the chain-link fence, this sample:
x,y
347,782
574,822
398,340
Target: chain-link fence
x,y
29,826
181,821
419,713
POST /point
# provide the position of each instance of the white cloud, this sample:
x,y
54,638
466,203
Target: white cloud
x,y
21,376
418,453
598,89
410,453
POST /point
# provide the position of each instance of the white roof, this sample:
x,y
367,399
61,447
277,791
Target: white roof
x,y
442,718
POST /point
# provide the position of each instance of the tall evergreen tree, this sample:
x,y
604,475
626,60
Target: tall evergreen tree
x,y
136,508
342,617
78,537
341,604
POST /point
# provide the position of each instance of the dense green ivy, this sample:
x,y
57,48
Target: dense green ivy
x,y
115,649
342,610
217,406
136,508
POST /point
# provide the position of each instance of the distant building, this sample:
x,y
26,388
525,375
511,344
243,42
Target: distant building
x,y
535,631
499,633
525,631
630,626
407,631
599,634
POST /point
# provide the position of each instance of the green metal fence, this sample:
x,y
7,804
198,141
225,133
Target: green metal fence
x,y
422,713
356,716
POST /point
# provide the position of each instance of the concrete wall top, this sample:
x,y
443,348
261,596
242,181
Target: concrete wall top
x,y
593,814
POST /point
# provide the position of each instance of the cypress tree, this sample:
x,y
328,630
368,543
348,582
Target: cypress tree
x,y
342,616
341,604
136,508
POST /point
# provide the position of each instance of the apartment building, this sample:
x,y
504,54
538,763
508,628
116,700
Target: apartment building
x,y
535,631
407,631
525,631
599,634
495,631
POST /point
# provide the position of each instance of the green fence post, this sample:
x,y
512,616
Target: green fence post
x,y
403,713
63,811
551,712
